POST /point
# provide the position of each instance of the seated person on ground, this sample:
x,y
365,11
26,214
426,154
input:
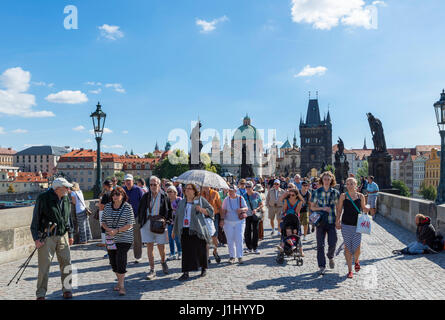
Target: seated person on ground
x,y
425,234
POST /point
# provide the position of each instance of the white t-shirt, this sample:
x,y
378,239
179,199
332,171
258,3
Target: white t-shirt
x,y
232,205
79,201
187,215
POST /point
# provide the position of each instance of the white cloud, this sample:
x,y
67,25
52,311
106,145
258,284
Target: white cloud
x,y
68,97
20,131
207,27
88,141
380,3
309,71
125,132
14,100
98,91
79,128
106,130
43,84
325,14
111,32
2,130
115,146
116,86
92,83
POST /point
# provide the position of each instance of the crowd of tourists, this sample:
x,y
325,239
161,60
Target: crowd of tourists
x,y
193,221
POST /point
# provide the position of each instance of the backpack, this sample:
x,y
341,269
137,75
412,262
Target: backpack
x,y
438,243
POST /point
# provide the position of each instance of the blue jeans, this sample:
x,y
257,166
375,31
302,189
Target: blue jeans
x,y
416,247
172,241
321,232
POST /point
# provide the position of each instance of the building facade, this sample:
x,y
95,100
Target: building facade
x,y
39,158
7,157
80,166
23,182
432,169
419,164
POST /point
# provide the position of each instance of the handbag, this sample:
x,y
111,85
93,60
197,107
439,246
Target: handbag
x,y
319,219
242,215
363,220
157,223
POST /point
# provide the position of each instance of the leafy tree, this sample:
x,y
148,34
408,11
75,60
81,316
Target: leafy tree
x,y
149,155
120,177
400,185
428,192
329,167
362,171
174,165
11,189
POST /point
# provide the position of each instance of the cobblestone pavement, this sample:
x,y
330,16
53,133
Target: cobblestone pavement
x,y
383,276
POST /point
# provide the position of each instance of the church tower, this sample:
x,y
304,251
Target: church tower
x,y
316,139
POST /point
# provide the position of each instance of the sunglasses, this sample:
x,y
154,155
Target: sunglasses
x,y
248,187
153,184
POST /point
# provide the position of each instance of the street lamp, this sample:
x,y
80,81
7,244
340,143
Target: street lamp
x,y
439,107
98,125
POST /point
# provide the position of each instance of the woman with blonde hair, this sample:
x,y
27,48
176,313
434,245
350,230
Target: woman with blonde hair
x,y
350,205
81,214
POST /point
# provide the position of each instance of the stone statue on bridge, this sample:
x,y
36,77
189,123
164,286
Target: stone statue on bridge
x,y
341,164
378,136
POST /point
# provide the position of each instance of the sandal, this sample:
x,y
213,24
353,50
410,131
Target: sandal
x,y
122,292
217,258
350,275
357,266
116,288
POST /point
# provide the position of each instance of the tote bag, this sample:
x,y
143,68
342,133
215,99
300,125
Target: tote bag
x,y
363,220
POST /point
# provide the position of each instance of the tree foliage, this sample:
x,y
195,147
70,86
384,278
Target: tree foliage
x,y
400,185
11,189
362,171
172,166
428,192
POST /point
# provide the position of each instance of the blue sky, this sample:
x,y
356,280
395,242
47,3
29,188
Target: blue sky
x,y
163,69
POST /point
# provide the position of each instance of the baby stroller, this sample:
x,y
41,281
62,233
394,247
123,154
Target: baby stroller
x,y
290,223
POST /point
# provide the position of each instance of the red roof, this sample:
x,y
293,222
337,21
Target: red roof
x,y
27,177
7,151
83,155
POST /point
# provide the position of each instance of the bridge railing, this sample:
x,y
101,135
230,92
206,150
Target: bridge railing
x,y
15,236
403,210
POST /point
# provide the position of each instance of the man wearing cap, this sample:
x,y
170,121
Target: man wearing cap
x,y
274,205
134,194
52,216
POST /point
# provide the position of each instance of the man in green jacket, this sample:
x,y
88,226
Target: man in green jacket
x,y
53,210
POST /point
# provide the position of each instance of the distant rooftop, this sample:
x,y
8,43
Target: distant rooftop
x,y
43,150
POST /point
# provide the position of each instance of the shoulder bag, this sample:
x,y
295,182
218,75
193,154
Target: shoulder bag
x,y
242,215
363,221
157,223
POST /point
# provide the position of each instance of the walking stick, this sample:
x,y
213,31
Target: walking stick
x,y
28,260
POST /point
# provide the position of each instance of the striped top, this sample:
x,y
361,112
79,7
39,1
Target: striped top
x,y
115,219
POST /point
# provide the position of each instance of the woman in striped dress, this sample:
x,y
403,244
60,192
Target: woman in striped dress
x,y
118,220
347,221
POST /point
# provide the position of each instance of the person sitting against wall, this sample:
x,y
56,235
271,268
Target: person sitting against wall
x,y
425,234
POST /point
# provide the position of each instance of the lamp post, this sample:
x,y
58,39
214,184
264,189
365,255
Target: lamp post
x,y
439,107
98,125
